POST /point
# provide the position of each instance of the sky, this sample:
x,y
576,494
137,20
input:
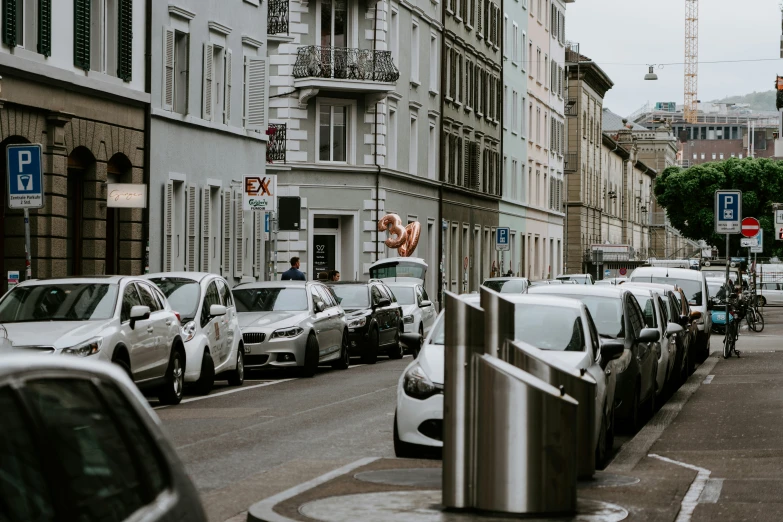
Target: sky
x,y
614,33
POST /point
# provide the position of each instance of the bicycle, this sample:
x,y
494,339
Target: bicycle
x,y
749,310
732,330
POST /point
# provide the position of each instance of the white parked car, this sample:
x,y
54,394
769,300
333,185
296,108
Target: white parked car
x,y
560,328
770,294
580,279
125,320
418,312
210,327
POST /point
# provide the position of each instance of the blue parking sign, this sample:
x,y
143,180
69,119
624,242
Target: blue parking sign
x,y
25,176
502,238
728,211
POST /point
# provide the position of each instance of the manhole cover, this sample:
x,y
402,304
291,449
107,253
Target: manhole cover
x,y
417,477
424,506
602,479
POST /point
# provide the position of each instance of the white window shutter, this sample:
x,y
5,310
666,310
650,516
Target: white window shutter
x,y
227,227
227,87
191,232
168,68
255,95
258,242
239,236
206,228
168,231
207,101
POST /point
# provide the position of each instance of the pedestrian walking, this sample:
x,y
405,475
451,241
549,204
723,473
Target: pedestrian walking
x,y
293,273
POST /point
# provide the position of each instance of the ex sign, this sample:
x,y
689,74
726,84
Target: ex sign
x,y
502,238
259,193
728,211
25,176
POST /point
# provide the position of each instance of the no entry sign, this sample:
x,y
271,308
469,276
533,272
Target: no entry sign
x,y
750,227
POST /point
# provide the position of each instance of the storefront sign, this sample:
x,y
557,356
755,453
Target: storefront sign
x,y
13,278
259,193
323,254
126,195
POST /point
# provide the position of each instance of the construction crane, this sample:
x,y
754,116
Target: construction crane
x,y
690,109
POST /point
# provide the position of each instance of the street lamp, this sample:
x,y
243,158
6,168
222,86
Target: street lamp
x,y
651,75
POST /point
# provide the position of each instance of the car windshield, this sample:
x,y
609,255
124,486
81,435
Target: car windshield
x,y
353,296
508,286
691,287
549,327
59,302
404,294
607,313
717,289
183,295
270,299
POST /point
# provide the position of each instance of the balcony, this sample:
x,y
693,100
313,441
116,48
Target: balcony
x,y
275,148
277,17
341,69
570,162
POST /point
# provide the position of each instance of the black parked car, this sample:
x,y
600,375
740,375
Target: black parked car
x,y
619,319
373,317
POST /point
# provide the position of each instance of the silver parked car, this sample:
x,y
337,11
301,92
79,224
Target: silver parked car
x,y
291,324
125,320
79,442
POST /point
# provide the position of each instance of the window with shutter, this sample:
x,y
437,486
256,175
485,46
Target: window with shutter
x,y
255,93
125,40
207,107
206,228
81,34
227,88
191,229
9,22
45,27
227,236
258,243
466,176
168,68
239,236
168,226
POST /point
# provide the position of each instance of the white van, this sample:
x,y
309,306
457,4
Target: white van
x,y
694,284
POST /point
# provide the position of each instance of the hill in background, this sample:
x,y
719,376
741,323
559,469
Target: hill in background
x,y
758,101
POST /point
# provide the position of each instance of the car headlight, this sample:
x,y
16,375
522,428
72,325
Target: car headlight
x,y
357,323
86,348
188,331
416,384
408,319
287,332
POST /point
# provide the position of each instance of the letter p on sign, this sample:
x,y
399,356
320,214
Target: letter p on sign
x,y
25,158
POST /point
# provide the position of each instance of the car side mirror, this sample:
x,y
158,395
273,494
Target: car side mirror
x,y
649,335
425,304
684,320
384,302
611,350
139,313
217,310
674,328
412,341
695,315
320,307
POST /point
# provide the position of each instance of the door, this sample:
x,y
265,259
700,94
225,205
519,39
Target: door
x,y
324,254
334,38
161,321
335,314
380,313
390,319
230,321
213,327
643,351
140,339
321,322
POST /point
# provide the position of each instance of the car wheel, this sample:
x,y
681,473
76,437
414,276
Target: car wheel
x,y
345,357
762,301
370,355
405,450
122,363
311,357
395,351
171,392
236,377
207,377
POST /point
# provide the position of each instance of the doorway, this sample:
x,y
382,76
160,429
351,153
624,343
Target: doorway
x,y
79,162
334,37
327,245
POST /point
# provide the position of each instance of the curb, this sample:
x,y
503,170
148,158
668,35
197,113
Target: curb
x,y
263,511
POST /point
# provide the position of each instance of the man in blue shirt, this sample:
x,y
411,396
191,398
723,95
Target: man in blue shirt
x,y
293,273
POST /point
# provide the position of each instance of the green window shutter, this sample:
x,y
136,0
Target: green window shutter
x,y
9,22
81,34
45,27
125,40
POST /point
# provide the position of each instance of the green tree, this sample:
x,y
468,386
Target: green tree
x,y
688,195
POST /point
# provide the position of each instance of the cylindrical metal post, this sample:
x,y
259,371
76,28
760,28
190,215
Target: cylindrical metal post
x,y
578,384
464,339
275,227
526,445
28,264
498,321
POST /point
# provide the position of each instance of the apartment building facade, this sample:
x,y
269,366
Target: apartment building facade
x,y
77,87
355,87
208,129
543,241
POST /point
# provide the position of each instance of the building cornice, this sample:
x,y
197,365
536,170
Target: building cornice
x,y
219,28
181,12
252,42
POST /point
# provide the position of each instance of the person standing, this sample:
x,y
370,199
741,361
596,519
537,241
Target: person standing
x,y
334,275
293,273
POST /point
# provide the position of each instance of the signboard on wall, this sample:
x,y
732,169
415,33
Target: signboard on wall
x,y
323,254
259,193
126,195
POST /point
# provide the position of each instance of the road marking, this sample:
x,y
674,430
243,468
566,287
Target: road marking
x,y
708,379
711,493
227,392
691,498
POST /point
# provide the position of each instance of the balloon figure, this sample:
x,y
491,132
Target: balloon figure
x,y
404,239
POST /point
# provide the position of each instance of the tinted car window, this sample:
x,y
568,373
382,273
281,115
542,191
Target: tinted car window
x,y
648,310
424,294
225,293
211,297
352,296
635,317
316,297
376,295
326,295
58,302
593,333
23,489
100,477
148,297
130,298
271,299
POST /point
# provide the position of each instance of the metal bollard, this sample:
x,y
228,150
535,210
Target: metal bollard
x,y
498,321
525,444
464,340
577,384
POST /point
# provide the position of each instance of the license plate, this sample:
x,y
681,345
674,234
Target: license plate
x,y
720,317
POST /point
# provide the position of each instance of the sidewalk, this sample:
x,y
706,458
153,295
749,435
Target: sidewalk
x,y
713,452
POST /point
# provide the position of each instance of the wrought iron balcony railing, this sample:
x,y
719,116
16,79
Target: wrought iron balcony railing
x,y
345,64
275,148
277,17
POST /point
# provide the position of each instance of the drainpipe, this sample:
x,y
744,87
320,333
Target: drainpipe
x,y
375,136
145,213
442,157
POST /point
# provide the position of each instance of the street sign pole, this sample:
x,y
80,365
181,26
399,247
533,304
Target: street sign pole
x,y
28,263
24,169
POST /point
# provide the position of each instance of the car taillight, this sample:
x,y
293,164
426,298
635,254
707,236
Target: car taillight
x,y
179,318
